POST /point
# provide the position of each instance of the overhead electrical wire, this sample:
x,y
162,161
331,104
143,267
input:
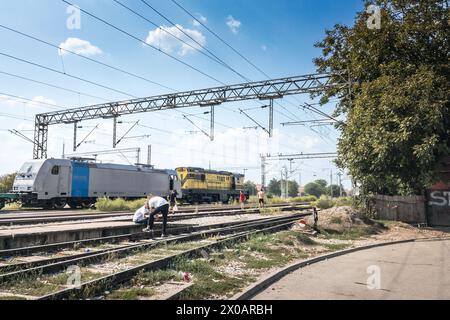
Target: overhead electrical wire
x,y
145,43
208,53
65,74
85,57
218,37
219,60
229,46
47,104
81,79
52,85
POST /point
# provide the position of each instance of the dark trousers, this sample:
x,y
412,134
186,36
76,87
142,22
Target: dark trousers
x,y
164,210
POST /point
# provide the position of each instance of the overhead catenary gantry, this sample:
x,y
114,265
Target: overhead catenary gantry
x,y
290,158
210,97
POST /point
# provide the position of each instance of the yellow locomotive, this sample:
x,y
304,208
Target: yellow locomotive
x,y
199,185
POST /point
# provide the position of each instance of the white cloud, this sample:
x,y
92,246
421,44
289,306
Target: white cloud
x,y
41,99
79,46
200,18
38,101
163,39
8,101
233,24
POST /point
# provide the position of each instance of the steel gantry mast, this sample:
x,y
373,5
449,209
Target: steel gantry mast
x,y
291,157
210,97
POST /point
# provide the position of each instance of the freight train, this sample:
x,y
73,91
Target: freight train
x,y
200,185
77,182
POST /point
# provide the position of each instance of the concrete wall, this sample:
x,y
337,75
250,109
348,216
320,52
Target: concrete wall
x,y
409,209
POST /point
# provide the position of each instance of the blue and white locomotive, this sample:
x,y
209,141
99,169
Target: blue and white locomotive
x,y
55,183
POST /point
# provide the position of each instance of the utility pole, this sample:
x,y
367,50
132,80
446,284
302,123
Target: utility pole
x,y
75,125
284,184
300,183
287,184
281,184
290,165
331,183
263,171
138,156
271,118
211,132
149,155
114,132
340,184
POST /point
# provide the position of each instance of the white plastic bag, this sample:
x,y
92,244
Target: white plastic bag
x,y
175,208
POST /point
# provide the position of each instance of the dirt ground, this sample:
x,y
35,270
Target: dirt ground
x,y
394,230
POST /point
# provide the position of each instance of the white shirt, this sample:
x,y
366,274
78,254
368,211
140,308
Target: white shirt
x,y
139,215
157,202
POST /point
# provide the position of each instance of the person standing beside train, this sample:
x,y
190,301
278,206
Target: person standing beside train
x,y
157,205
242,199
173,201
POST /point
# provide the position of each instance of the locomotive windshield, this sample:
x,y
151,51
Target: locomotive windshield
x,y
28,170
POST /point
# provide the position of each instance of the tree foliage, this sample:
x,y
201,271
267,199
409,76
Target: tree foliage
x,y
274,187
397,124
293,188
250,187
316,188
6,182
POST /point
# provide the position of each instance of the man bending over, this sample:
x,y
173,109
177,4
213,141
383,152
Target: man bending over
x,y
157,205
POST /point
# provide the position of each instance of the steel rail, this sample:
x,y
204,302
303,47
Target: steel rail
x,y
111,281
86,242
11,221
118,253
184,209
27,265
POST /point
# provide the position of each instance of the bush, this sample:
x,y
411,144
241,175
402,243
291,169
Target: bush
x,y
324,202
304,199
135,204
343,201
253,199
275,200
119,204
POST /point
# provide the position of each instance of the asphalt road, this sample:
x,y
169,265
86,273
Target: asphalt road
x,y
417,270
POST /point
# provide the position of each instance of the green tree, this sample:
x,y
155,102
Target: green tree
x,y
250,187
336,190
321,182
6,182
274,187
397,124
316,188
293,188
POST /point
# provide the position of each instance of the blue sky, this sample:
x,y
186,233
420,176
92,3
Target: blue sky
x,y
277,36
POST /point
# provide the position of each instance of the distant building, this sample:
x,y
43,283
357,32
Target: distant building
x,y
301,191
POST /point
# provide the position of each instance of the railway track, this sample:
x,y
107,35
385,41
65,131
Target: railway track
x,y
20,219
51,247
229,233
189,208
180,233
